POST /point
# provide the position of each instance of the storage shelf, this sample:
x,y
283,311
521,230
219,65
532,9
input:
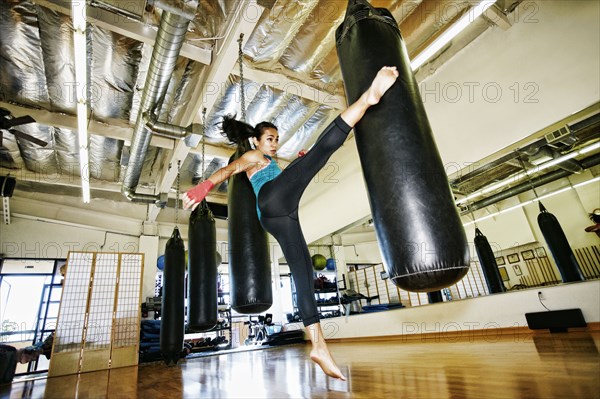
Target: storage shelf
x,y
326,290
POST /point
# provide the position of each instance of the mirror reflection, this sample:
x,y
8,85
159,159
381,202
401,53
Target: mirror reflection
x,y
500,196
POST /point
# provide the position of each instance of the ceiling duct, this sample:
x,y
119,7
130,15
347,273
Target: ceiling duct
x,y
547,154
169,40
586,163
132,8
562,135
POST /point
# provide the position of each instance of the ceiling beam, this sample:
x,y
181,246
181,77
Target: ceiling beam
x,y
287,85
117,130
77,217
208,89
55,177
127,27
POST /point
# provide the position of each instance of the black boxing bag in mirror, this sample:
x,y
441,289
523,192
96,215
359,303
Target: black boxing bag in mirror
x,y
173,301
202,270
420,236
559,246
487,260
249,264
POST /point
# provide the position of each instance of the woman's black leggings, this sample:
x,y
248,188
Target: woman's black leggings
x,y
278,202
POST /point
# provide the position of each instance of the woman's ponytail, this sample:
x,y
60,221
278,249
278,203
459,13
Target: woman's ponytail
x,y
236,131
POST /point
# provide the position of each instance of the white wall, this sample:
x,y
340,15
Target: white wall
x,y
552,53
482,313
542,69
24,238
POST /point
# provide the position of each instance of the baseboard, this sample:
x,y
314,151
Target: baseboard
x,y
450,336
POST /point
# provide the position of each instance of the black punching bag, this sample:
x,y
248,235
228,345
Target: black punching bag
x,y
435,297
421,238
173,301
202,270
487,260
559,246
249,264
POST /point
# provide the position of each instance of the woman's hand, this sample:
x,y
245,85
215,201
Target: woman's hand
x,y
195,195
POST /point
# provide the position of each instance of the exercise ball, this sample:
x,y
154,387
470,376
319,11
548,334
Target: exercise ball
x,y
319,262
330,264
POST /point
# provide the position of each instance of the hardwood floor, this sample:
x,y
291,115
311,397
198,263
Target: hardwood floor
x,y
561,365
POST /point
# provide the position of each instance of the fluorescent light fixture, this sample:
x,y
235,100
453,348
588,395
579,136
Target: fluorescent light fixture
x,y
451,33
79,15
521,175
522,204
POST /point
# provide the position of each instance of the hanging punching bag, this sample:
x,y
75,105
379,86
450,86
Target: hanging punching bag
x,y
249,264
420,236
202,270
173,301
559,246
435,296
487,260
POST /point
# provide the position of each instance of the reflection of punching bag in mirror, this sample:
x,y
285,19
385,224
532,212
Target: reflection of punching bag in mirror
x,y
487,260
421,250
559,246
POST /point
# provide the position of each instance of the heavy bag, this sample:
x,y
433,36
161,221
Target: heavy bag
x,y
249,264
435,296
202,270
173,301
421,238
559,246
487,260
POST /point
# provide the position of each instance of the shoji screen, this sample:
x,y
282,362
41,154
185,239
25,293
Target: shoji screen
x,y
99,317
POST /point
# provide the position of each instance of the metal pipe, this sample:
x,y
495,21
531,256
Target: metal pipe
x,y
159,200
182,10
169,40
537,182
164,129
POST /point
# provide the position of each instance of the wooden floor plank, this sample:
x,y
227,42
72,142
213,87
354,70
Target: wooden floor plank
x,y
523,366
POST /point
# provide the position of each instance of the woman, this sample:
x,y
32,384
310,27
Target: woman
x,y
278,195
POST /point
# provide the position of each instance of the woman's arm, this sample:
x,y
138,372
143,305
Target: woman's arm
x,y
195,195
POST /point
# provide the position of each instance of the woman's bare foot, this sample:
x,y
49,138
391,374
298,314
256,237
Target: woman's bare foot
x,y
320,353
383,81
323,358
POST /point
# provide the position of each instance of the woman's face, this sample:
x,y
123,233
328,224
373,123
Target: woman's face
x,y
268,142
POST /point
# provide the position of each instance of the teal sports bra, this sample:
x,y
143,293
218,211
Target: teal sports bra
x,y
263,176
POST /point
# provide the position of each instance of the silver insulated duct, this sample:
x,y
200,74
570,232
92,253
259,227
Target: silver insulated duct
x,y
169,40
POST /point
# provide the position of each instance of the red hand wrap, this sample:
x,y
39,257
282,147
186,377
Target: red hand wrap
x,y
199,192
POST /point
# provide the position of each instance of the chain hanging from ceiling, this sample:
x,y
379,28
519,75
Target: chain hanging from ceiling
x,y
241,63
